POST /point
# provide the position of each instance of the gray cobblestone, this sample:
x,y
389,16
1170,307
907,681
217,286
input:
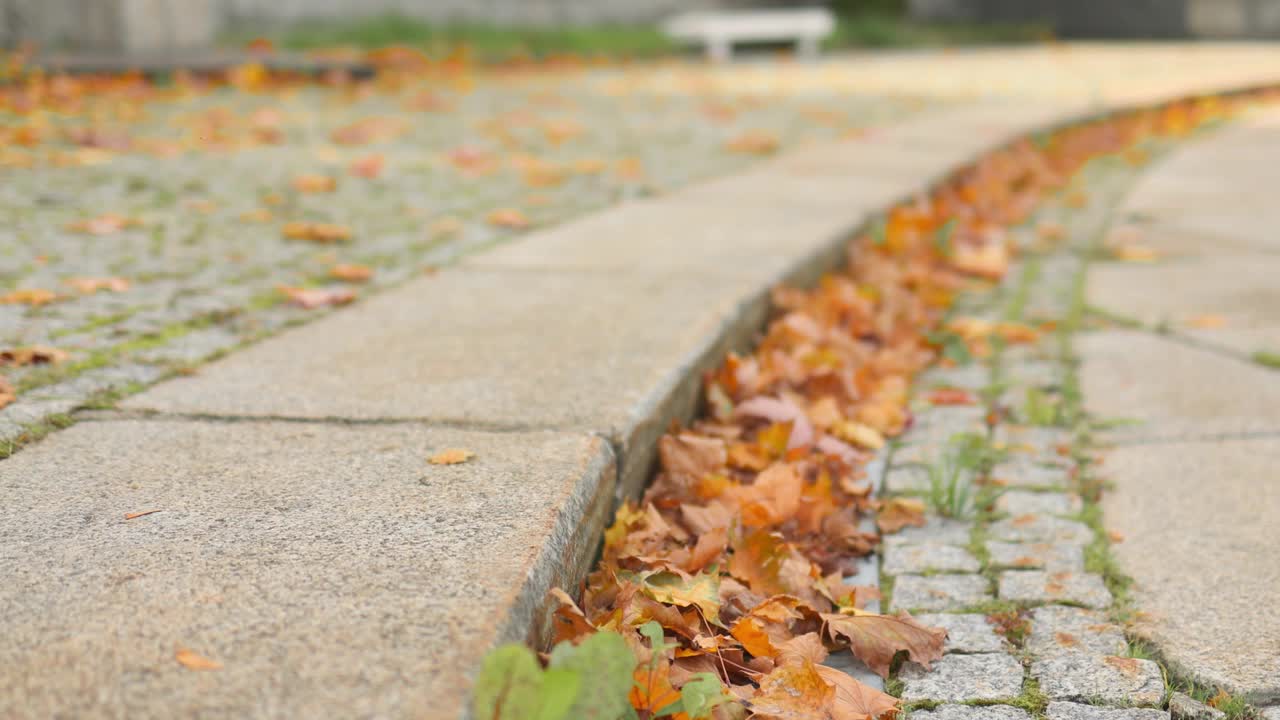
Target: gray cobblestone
x,y
1035,528
1056,629
966,633
962,678
1035,586
970,712
901,559
1100,678
1075,711
1021,471
1035,556
1025,502
939,592
936,531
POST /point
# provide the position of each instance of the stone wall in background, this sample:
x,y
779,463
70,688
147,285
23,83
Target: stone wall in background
x,y
1117,18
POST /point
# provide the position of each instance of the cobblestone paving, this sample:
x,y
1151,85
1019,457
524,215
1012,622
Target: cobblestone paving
x,y
178,202
1018,579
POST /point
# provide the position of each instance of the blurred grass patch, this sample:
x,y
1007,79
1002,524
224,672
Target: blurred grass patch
x,y
859,28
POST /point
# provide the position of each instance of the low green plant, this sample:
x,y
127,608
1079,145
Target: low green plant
x,y
593,679
1041,408
953,478
1266,358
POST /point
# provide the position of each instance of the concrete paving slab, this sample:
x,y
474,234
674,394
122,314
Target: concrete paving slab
x,y
1173,390
617,355
329,569
1239,290
1198,521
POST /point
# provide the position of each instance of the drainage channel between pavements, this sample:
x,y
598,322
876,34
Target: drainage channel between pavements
x,y
931,386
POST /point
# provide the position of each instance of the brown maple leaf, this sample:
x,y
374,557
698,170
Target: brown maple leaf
x,y
31,355
351,273
875,639
194,661
854,700
795,691
899,512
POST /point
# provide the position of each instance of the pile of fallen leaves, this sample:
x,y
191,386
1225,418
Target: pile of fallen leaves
x,y
732,567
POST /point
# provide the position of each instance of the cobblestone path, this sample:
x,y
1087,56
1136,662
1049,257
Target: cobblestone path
x,y
1014,561
155,222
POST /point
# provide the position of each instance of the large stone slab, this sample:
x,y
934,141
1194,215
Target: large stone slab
x,y
961,678
1199,527
1172,389
618,355
328,568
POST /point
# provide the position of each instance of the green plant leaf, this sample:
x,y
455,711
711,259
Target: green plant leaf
x,y
509,684
701,694
559,691
608,664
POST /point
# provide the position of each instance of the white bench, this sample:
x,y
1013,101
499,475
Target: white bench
x,y
718,31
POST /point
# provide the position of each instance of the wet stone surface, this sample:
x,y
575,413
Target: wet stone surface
x,y
961,678
1035,586
1100,678
939,592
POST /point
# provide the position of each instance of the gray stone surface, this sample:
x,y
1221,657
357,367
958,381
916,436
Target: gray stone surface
x,y
939,592
1060,710
1100,678
966,633
1035,586
961,678
1056,629
907,479
1271,713
1035,528
1134,375
903,558
1023,502
970,712
617,355
1205,595
935,531
324,566
1035,556
1184,707
1022,471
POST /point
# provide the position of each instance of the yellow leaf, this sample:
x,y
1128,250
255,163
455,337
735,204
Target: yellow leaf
x,y
192,661
452,456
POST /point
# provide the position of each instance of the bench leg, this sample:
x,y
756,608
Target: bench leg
x,y
719,49
809,47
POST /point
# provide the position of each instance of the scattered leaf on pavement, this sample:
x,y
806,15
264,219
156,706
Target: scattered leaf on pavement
x,y
451,456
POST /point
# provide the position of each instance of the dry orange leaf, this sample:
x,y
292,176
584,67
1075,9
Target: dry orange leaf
x,y
508,218
952,396
899,512
33,296
451,456
369,130
7,393
313,183
134,515
854,700
351,273
323,233
1135,253
105,224
31,355
1206,321
193,661
311,298
368,167
754,142
795,691
90,285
